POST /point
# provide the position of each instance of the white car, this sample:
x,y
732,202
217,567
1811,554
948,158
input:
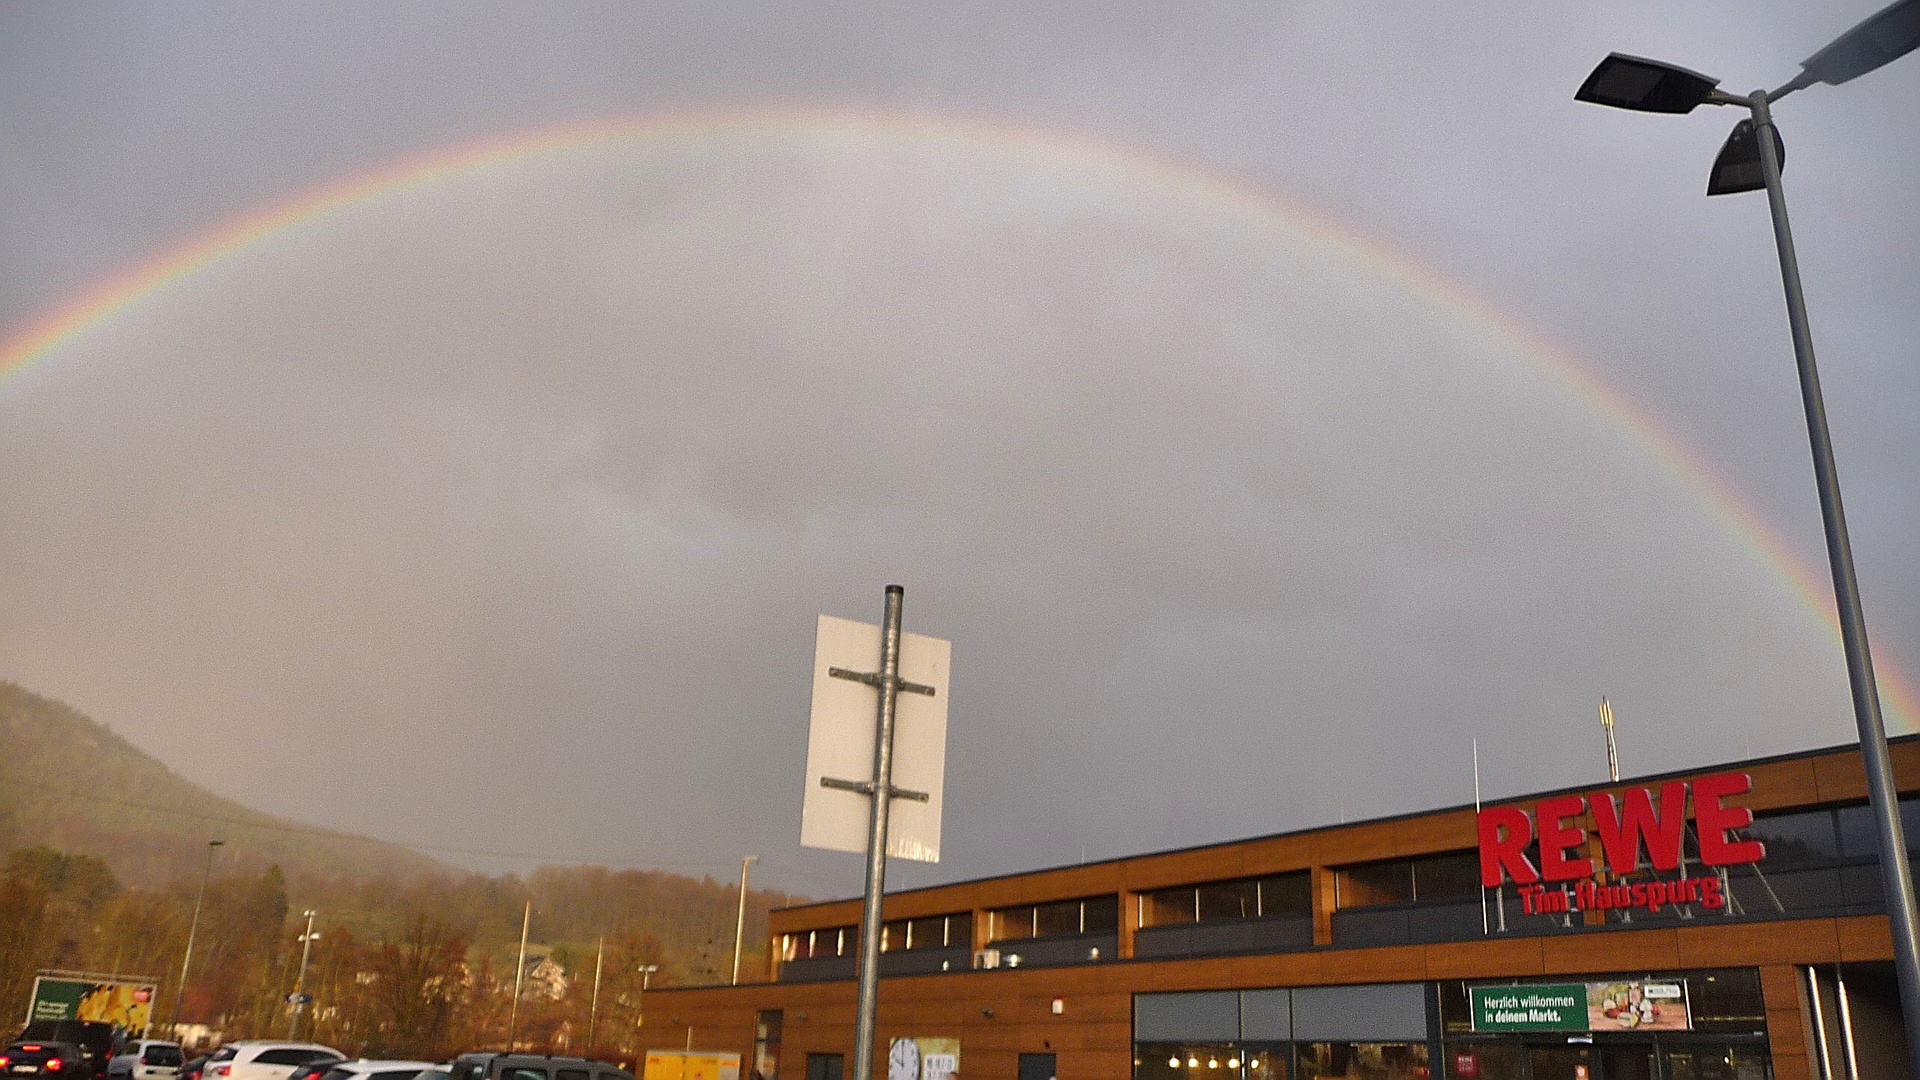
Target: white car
x,y
364,1069
146,1059
262,1059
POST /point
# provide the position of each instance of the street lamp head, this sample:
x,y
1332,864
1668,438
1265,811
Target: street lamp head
x,y
1631,82
1738,168
1886,36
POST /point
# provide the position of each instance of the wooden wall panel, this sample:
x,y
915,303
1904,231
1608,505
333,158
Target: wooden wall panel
x,y
1840,776
1447,831
1752,944
1354,843
1619,950
1864,937
1499,957
1789,1028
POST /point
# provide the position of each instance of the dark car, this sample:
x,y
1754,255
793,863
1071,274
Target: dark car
x,y
192,1069
32,1058
93,1038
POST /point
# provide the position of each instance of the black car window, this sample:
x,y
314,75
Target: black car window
x,y
225,1053
287,1055
468,1070
521,1072
160,1055
572,1074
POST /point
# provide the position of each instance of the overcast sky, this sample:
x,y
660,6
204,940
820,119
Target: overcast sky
x,y
493,512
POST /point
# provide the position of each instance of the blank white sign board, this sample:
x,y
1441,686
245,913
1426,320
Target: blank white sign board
x,y
840,741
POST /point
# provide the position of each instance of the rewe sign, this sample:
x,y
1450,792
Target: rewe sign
x,y
1626,828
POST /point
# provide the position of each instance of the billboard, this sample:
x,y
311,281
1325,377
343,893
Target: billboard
x,y
1627,1004
125,1002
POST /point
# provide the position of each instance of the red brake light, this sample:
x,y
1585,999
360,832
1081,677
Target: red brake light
x,y
32,1048
54,1064
5,1061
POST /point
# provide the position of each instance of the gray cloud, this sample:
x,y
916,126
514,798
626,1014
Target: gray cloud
x,y
544,471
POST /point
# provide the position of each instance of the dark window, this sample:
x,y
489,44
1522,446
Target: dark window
x,y
767,1027
1287,894
1102,914
1166,907
469,1070
1797,841
572,1074
826,1066
933,931
1059,917
1452,876
522,1072
160,1055
1011,924
1229,900
225,1053
1389,882
1037,1067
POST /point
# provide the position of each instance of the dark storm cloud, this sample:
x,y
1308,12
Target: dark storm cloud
x,y
545,472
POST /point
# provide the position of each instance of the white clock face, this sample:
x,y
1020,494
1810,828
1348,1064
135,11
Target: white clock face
x,y
903,1062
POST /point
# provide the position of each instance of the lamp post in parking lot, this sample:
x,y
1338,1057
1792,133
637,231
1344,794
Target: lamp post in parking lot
x,y
193,928
299,995
1751,160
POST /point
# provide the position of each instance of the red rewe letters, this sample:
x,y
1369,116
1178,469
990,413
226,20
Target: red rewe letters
x,y
1622,831
1556,836
1505,833
1712,820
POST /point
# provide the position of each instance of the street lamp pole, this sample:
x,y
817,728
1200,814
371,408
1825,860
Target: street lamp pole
x,y
1883,798
1751,159
300,982
193,929
740,918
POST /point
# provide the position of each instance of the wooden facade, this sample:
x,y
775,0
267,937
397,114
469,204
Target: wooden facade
x,y
1001,1013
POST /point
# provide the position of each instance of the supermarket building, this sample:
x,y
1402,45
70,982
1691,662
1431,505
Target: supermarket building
x,y
1743,940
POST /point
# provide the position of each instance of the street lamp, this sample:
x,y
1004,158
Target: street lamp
x,y
299,997
1750,160
193,928
640,1007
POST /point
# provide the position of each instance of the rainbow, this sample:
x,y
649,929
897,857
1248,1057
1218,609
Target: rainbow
x,y
49,335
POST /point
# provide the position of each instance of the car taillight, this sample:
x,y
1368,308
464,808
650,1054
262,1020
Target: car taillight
x,y
54,1064
5,1061
31,1048
217,1070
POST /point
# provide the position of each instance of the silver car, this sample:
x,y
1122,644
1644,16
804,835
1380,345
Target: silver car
x,y
146,1059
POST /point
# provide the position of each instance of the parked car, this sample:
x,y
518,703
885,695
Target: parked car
x,y
146,1059
365,1069
31,1058
263,1059
496,1066
313,1070
94,1038
191,1070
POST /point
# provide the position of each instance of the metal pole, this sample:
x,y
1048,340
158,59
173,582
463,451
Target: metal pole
x,y
640,1004
868,995
300,982
1485,926
1613,755
519,971
740,919
193,929
593,1011
1895,874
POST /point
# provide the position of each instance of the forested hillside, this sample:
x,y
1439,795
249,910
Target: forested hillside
x,y
414,957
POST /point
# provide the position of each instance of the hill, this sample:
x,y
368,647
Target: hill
x,y
72,784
